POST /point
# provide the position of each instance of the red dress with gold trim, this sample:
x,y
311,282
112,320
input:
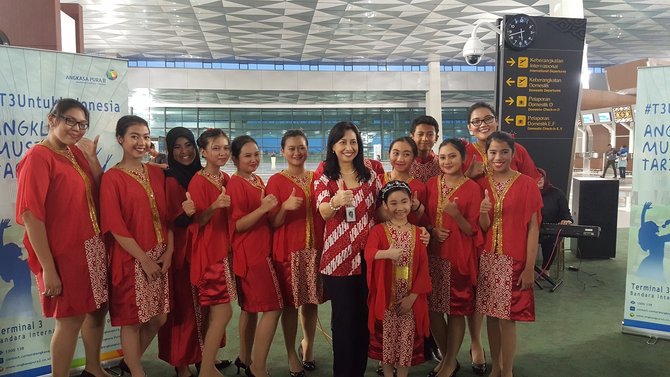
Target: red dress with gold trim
x,y
521,162
135,206
211,259
424,169
58,189
180,339
453,263
397,339
415,185
296,243
257,284
505,250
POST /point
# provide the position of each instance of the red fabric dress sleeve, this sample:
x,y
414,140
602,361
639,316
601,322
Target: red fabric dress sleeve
x,y
111,216
378,275
422,195
33,183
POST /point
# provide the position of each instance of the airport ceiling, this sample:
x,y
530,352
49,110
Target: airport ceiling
x,y
337,31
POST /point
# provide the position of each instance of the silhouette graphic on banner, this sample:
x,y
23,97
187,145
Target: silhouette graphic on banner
x,y
18,301
650,241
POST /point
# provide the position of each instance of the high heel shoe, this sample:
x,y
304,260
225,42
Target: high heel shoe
x,y
85,373
247,372
123,367
240,365
478,368
223,364
306,365
297,374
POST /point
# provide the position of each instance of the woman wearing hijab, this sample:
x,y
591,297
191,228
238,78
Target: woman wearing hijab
x,y
178,339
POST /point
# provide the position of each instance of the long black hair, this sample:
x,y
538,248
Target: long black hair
x,y
331,168
182,173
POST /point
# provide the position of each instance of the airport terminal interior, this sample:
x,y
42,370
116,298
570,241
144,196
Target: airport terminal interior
x,y
261,67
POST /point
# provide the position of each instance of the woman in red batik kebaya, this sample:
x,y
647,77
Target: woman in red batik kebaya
x,y
179,339
453,212
510,215
402,153
57,203
211,271
251,233
398,281
295,249
134,211
346,196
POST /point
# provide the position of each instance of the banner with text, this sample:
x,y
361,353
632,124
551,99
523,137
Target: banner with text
x,y
30,82
647,306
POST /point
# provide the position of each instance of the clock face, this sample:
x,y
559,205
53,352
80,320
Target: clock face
x,y
519,31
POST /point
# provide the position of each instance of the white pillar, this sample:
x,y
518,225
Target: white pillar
x,y
434,97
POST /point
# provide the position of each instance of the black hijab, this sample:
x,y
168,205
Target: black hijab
x,y
182,173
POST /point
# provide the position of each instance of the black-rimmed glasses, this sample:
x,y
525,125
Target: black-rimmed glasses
x,y
489,119
71,122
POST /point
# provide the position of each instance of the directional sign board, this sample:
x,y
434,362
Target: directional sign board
x,y
538,91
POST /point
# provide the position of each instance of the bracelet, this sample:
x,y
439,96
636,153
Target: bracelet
x,y
332,207
418,208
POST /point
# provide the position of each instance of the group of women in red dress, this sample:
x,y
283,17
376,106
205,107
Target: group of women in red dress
x,y
393,253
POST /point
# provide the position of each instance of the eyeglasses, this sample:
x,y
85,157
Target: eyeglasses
x,y
71,122
489,119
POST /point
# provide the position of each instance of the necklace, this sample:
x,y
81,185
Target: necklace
x,y
399,226
348,173
140,173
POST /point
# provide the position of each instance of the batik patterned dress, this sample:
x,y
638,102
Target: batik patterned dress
x,y
58,188
453,263
133,204
397,339
296,246
505,252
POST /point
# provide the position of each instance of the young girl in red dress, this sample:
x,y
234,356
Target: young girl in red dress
x,y
399,283
58,187
251,234
453,212
134,211
402,153
179,339
296,249
210,266
510,215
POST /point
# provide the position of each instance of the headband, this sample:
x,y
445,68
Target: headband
x,y
393,186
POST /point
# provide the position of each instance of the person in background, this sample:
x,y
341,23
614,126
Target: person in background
x,y
510,216
425,132
155,157
623,161
56,202
610,160
346,196
402,154
133,208
297,244
554,211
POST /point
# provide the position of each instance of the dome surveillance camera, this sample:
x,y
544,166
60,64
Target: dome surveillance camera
x,y
473,51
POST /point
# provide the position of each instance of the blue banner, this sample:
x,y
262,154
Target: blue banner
x,y
647,306
30,82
